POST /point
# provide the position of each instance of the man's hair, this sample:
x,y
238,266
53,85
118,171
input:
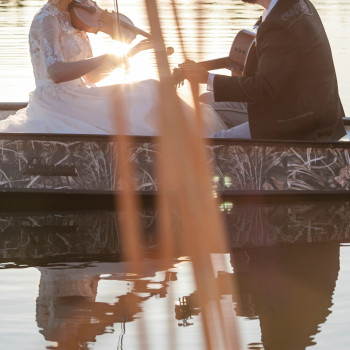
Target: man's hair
x,y
250,1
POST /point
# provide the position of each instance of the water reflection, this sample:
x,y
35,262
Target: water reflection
x,y
287,281
37,238
68,313
289,288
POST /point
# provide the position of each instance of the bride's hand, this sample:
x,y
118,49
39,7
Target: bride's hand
x,y
111,62
103,65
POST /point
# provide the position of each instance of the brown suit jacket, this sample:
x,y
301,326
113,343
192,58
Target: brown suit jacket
x,y
294,93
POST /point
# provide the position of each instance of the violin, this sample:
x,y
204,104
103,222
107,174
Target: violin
x,y
89,17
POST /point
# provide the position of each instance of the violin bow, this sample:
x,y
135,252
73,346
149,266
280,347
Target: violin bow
x,y
117,20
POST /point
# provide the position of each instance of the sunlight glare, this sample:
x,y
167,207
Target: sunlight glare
x,y
140,67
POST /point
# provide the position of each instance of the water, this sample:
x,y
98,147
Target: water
x,y
220,22
64,285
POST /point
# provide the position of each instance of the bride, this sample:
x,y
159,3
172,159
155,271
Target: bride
x,y
66,100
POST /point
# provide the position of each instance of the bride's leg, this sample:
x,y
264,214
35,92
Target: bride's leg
x,y
138,103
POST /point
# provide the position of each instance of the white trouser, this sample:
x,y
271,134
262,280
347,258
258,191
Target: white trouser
x,y
233,114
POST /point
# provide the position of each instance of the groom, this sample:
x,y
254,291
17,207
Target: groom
x,y
294,93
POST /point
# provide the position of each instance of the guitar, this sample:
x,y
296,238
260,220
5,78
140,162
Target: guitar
x,y
241,60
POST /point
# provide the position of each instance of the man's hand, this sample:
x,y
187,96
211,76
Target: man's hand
x,y
194,72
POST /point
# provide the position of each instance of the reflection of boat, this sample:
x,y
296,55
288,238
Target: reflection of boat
x,y
88,164
45,237
268,224
38,238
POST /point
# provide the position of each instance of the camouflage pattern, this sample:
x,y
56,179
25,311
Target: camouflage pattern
x,y
39,238
69,163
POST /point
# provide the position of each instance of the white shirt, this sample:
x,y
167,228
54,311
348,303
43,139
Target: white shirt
x,y
210,82
271,6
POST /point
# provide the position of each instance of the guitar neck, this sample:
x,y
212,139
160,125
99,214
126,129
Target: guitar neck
x,y
241,59
218,63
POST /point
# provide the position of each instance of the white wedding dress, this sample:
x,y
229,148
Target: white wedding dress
x,y
74,106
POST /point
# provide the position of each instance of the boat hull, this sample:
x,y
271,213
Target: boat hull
x,y
90,164
58,164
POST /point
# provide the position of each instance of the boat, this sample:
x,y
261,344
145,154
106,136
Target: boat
x,y
76,166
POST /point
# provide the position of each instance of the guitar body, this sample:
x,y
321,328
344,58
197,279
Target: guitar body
x,y
241,58
243,53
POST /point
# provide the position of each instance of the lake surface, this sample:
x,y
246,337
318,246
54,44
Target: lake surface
x,y
219,21
63,283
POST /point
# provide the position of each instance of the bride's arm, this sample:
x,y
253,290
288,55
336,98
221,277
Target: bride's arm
x,y
111,62
108,65
92,69
51,39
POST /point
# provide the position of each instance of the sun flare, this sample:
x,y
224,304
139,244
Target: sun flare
x,y
140,66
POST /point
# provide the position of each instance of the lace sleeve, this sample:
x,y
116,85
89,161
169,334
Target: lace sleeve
x,y
49,41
